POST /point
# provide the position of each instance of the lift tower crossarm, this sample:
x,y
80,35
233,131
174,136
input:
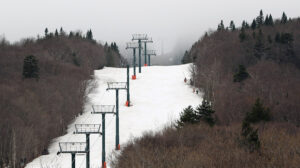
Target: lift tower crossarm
x,y
100,109
73,148
116,85
139,37
149,40
87,129
130,45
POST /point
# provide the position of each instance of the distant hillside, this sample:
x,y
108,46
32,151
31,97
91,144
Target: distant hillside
x,y
250,76
268,51
36,110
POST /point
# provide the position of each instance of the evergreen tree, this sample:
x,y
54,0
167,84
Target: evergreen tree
x,y
186,58
286,38
253,140
62,32
232,26
187,116
284,18
116,48
241,74
260,19
112,46
71,34
250,136
242,35
46,32
78,34
110,61
205,113
258,113
30,67
75,59
247,25
89,34
271,21
50,35
259,47
244,24
206,34
56,33
221,26
267,21
246,128
278,38
253,25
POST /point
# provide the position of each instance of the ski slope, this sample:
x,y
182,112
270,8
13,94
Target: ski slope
x,y
158,95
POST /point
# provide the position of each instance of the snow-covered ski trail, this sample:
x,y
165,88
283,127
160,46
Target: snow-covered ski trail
x,y
158,95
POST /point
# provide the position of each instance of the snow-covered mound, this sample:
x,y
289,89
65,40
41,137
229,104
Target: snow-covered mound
x,y
158,96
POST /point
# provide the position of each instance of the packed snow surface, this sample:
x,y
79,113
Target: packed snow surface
x,y
158,95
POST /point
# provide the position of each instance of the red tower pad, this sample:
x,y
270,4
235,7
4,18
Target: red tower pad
x,y
127,103
119,147
133,77
104,165
145,65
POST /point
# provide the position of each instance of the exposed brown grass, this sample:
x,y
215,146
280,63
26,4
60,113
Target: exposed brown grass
x,y
221,146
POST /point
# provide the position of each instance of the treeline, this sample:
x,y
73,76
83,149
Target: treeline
x,y
235,66
43,88
249,116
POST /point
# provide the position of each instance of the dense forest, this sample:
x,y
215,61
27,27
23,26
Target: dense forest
x,y
234,67
43,88
250,76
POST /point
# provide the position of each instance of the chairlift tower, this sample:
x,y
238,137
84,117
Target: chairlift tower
x,y
103,109
145,49
140,38
150,53
72,148
128,91
87,129
133,46
117,86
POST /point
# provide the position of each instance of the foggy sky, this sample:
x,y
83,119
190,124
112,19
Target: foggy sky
x,y
172,22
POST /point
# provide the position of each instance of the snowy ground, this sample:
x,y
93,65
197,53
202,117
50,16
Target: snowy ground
x,y
158,96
